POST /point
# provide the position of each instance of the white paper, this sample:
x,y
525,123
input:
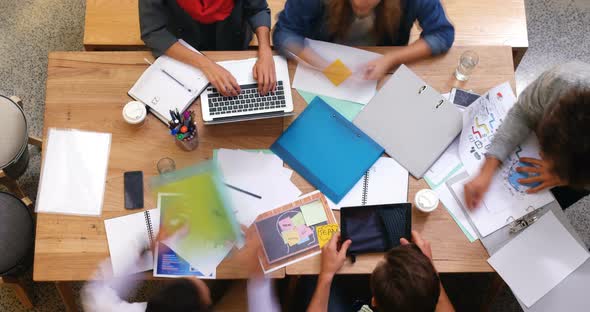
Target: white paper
x,y
128,236
74,172
387,183
506,199
258,173
354,89
538,259
481,119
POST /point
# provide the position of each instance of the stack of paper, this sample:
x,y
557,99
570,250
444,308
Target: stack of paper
x,y
257,182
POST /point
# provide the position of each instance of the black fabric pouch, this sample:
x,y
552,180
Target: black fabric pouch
x,y
375,228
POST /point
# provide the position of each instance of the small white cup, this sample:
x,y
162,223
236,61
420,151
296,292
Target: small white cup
x,y
134,113
426,200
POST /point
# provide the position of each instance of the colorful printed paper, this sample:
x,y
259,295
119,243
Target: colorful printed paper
x,y
314,213
325,233
337,72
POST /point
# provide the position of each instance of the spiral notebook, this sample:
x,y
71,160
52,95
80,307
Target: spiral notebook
x,y
386,182
128,236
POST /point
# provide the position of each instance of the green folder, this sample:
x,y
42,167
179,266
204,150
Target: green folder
x,y
347,109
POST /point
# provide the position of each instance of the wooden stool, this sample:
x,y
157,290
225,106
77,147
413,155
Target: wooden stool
x,y
16,243
14,153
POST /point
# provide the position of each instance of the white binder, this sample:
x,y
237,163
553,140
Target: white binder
x,y
411,120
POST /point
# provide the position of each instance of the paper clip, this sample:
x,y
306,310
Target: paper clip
x,y
524,222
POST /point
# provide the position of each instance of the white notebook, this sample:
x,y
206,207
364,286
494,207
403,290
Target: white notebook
x,y
128,236
386,182
162,93
74,172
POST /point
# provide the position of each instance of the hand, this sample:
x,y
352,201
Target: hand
x,y
539,172
332,259
221,79
264,72
476,189
249,253
377,69
423,244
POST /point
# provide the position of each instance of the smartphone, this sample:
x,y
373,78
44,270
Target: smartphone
x,y
133,181
462,97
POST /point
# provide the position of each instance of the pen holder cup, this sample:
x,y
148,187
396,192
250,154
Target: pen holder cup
x,y
188,143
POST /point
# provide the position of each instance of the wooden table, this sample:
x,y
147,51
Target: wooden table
x,y
451,250
114,24
87,90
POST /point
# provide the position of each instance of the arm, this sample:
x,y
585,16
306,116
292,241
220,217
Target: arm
x,y
294,24
153,21
332,260
444,303
378,68
437,31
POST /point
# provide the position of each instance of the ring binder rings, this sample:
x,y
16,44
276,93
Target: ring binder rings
x,y
365,189
525,221
149,227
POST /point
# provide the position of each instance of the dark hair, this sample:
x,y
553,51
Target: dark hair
x,y
387,18
405,281
564,135
180,295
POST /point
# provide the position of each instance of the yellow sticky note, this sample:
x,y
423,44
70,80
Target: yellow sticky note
x,y
337,72
291,237
325,233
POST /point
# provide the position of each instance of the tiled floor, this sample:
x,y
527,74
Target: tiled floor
x,y
29,29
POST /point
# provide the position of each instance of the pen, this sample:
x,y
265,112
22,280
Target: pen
x,y
243,191
171,77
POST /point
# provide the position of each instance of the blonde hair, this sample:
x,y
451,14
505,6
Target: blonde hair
x,y
387,18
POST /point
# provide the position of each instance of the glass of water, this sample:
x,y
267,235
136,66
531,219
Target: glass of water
x,y
166,165
467,62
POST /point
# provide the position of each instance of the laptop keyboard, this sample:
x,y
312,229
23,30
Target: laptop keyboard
x,y
249,100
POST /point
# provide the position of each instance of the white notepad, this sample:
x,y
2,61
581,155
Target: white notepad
x,y
74,172
162,93
538,259
128,237
386,182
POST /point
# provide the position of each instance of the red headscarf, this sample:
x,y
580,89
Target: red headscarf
x,y
207,11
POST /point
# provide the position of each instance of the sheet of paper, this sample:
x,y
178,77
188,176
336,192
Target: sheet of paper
x,y
354,89
506,199
74,172
480,121
445,168
385,183
325,233
258,173
313,213
347,109
538,259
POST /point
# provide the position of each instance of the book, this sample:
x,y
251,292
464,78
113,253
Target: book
x,y
386,182
288,233
168,84
129,236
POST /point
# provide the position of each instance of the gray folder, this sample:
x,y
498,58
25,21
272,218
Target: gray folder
x,y
411,120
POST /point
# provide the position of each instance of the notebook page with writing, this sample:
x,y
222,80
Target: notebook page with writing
x,y
162,93
128,236
386,182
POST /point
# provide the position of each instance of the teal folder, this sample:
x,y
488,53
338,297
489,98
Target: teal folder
x,y
327,150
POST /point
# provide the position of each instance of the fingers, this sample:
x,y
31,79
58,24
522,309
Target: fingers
x,y
273,80
533,161
528,169
234,85
472,197
416,238
541,187
403,241
255,71
531,180
369,72
344,248
333,243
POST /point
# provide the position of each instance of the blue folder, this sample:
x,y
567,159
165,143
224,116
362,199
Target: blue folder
x,y
327,150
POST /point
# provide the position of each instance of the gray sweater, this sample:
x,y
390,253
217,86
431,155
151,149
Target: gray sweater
x,y
534,102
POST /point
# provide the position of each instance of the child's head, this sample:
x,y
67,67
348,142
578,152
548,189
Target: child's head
x,y
181,295
564,135
405,281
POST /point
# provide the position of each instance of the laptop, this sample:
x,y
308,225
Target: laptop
x,y
411,120
249,104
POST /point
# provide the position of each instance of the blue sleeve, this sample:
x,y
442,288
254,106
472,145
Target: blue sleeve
x,y
258,13
437,31
295,22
